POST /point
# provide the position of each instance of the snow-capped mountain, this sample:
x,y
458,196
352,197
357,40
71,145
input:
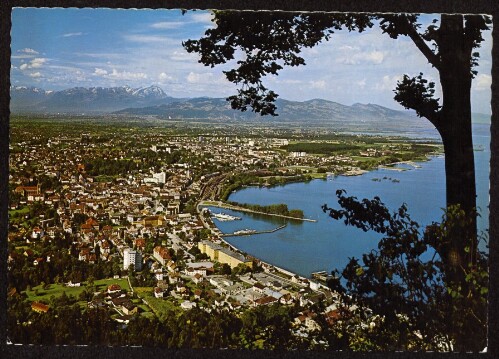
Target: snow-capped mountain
x,y
22,96
85,100
150,92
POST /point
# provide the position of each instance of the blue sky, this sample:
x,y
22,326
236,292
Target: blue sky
x,y
61,48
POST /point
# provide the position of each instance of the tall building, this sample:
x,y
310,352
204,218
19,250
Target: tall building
x,y
156,178
160,177
131,256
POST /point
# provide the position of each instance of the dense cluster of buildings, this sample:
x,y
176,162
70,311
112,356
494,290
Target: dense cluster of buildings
x,y
119,216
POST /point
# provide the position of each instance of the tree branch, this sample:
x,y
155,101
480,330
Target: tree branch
x,y
417,93
406,24
432,58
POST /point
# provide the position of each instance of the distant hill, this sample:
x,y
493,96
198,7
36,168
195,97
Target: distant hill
x,y
358,117
153,101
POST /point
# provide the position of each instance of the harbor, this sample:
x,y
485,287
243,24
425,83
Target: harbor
x,y
224,205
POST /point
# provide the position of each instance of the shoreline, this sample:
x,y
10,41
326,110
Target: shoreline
x,y
413,164
270,266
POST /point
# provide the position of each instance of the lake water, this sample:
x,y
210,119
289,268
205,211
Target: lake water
x,y
305,247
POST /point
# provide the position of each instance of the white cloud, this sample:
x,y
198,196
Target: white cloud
x,y
119,75
125,75
23,56
36,63
375,57
289,81
192,17
164,77
204,17
151,39
387,83
100,55
361,83
27,50
195,78
35,74
310,52
167,25
100,72
71,34
482,82
360,57
205,78
183,56
319,84
348,48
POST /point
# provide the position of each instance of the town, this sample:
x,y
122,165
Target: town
x,y
113,216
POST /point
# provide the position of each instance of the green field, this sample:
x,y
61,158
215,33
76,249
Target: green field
x,y
23,210
56,290
103,283
321,147
161,307
316,175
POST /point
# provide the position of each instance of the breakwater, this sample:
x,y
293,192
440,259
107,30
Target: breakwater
x,y
251,232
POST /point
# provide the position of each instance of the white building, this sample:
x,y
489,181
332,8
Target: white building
x,y
186,305
161,177
297,154
161,148
156,178
131,256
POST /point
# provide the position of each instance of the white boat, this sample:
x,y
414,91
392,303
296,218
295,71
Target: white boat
x,y
224,217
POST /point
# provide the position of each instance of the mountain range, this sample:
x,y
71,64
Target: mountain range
x,y
84,100
153,101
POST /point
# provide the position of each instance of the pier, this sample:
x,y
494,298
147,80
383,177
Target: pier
x,y
250,233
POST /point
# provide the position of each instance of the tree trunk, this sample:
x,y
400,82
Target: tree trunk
x,y
454,125
455,128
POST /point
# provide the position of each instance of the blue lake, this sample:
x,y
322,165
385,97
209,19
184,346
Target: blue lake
x,y
305,247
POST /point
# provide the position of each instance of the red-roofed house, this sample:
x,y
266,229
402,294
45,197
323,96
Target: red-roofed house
x,y
113,288
265,300
140,244
40,307
161,254
92,222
